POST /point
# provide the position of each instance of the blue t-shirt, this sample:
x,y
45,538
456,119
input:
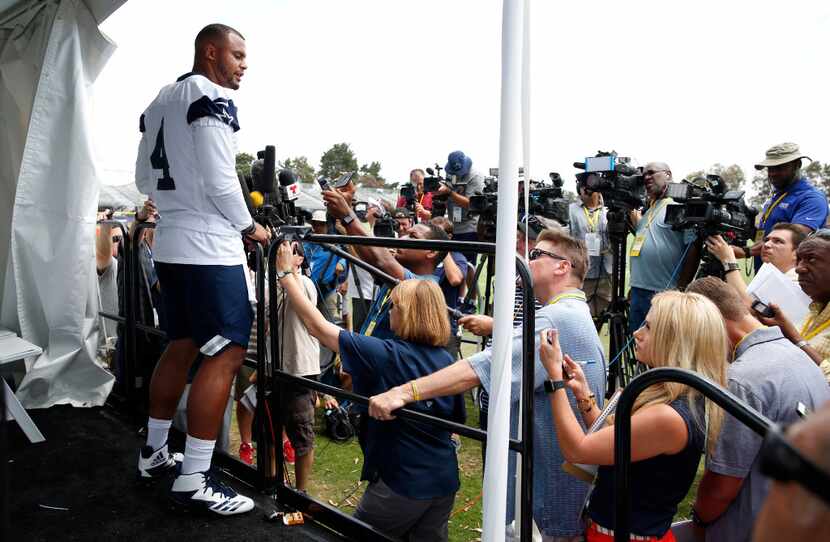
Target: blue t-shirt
x,y
323,264
451,292
416,460
802,204
662,254
377,320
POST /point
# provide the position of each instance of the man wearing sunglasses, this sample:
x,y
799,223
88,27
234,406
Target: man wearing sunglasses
x,y
661,257
774,377
558,264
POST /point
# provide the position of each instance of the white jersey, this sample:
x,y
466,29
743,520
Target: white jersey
x,y
187,164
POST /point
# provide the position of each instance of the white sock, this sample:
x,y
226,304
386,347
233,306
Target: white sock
x,y
157,432
197,455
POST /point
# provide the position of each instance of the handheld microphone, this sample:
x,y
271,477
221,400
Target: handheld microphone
x,y
288,185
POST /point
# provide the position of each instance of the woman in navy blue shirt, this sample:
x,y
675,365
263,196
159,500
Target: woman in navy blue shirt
x,y
411,468
668,431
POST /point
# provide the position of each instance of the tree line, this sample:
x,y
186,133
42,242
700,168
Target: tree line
x,y
337,160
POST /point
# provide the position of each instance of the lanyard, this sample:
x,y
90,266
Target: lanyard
x,y
807,336
592,218
371,327
656,211
578,295
738,344
769,209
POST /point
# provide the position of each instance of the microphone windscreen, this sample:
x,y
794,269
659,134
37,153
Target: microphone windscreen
x,y
269,169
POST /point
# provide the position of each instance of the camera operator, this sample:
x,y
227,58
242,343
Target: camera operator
x,y
558,265
794,200
406,263
589,222
771,375
412,469
464,182
187,166
657,253
423,200
404,220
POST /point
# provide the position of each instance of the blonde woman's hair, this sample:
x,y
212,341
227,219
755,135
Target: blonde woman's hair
x,y
687,331
423,312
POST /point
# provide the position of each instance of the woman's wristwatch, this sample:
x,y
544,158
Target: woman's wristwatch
x,y
585,405
731,266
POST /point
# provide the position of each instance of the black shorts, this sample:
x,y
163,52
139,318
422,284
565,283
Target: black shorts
x,y
207,303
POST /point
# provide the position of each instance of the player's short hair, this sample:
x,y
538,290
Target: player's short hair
x,y
725,297
574,249
214,32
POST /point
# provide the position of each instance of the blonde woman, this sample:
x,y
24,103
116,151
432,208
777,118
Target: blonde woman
x,y
668,431
411,468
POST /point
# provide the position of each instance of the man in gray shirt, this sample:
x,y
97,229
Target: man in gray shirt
x,y
464,182
589,223
771,375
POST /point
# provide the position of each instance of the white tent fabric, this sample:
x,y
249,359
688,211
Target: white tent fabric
x,y
50,54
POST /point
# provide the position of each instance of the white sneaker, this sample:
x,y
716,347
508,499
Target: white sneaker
x,y
155,464
201,491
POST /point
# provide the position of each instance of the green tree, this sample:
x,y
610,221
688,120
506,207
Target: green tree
x,y
819,175
761,189
337,160
300,167
243,164
370,176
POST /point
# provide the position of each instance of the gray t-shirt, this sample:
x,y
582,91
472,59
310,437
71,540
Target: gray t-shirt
x,y
557,496
460,217
771,375
108,289
659,263
601,265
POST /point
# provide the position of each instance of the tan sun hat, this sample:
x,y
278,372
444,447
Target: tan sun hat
x,y
782,154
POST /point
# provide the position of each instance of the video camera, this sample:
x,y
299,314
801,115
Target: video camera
x,y
434,182
409,194
385,223
622,186
273,205
544,200
710,209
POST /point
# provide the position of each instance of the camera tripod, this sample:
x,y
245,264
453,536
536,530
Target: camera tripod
x,y
622,362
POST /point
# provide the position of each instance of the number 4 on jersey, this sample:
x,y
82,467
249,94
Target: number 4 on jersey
x,y
158,159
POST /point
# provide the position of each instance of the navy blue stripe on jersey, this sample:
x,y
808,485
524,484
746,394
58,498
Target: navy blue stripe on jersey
x,y
185,76
141,127
221,108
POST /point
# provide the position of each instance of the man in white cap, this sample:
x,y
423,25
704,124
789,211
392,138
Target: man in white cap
x,y
794,199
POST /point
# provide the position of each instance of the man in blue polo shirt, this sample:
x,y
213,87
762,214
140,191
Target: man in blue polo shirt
x,y
794,200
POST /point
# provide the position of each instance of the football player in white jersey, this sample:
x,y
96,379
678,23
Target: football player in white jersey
x,y
186,164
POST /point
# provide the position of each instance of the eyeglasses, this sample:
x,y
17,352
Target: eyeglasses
x,y
781,461
116,238
537,253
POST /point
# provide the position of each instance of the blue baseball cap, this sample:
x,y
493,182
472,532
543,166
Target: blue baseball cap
x,y
458,164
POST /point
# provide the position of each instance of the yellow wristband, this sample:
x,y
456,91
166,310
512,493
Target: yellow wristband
x,y
415,395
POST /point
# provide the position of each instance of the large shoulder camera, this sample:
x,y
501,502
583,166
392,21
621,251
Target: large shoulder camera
x,y
433,182
710,209
385,223
622,186
545,200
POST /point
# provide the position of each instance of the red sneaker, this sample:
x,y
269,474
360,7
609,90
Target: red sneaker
x,y
246,453
288,452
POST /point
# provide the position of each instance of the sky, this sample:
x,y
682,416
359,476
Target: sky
x,y
407,82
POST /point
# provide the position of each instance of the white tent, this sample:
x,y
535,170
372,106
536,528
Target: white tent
x,y
51,52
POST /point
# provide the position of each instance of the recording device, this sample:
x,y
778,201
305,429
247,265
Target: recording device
x,y
408,193
710,209
271,197
622,185
762,308
434,182
385,223
545,200
324,183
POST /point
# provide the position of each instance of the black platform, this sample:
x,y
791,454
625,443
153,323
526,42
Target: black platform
x,y
87,465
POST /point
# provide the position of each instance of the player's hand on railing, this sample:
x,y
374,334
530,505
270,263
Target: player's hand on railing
x,y
260,234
